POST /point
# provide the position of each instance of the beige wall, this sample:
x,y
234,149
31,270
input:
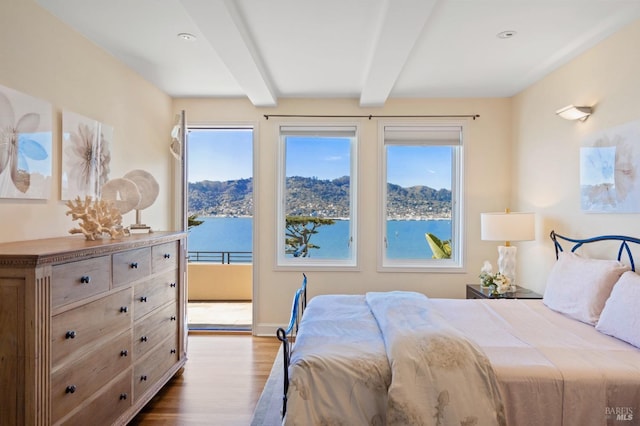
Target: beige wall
x,y
546,168
213,281
518,153
487,148
46,59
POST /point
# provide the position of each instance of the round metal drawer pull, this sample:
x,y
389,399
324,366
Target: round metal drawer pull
x,y
70,334
134,265
124,353
143,378
123,396
143,339
70,389
173,351
143,298
85,279
173,318
172,285
167,256
123,309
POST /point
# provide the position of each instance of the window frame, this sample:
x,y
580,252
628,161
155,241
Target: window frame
x,y
454,265
282,262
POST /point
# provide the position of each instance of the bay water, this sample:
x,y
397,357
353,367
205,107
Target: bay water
x,y
405,238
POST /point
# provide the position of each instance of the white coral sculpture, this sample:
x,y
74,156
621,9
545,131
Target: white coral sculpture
x,y
98,217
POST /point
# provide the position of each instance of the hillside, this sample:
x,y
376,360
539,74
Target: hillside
x,y
315,197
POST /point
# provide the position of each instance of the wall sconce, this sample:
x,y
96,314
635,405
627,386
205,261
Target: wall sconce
x,y
572,112
507,227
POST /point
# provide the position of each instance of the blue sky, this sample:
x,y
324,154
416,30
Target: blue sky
x,y
419,165
326,159
220,154
227,154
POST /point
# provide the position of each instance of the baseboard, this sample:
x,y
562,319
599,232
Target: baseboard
x,y
265,330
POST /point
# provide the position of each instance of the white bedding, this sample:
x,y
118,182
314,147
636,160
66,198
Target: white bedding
x,y
551,370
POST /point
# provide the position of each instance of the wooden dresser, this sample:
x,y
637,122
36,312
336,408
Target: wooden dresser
x,y
89,330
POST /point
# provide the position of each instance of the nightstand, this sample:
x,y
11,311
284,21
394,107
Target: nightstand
x,y
476,291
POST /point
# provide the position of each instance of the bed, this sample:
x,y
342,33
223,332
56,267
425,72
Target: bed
x,y
400,358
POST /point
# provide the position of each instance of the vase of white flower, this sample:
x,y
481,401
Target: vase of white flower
x,y
498,283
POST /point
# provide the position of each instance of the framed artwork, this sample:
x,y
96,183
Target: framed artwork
x,y
609,179
85,156
25,146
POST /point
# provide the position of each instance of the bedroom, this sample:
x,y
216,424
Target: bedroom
x,y
540,151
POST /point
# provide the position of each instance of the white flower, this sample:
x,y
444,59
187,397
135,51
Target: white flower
x,y
88,157
503,288
497,282
502,283
486,268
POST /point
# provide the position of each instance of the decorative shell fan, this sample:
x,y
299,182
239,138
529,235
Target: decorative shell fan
x,y
137,190
123,192
176,139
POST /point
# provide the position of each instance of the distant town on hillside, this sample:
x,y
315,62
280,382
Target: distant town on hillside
x,y
308,196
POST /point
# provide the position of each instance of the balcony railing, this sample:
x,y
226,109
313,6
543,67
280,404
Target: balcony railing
x,y
223,257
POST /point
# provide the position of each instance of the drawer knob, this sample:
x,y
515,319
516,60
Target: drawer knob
x,y
173,351
85,279
123,396
143,339
123,309
134,265
124,352
71,334
167,256
70,389
143,298
143,378
172,285
173,318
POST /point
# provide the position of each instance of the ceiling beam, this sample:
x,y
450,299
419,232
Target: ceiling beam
x,y
231,40
400,27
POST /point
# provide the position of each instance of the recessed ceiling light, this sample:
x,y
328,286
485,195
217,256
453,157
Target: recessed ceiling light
x,y
507,34
186,36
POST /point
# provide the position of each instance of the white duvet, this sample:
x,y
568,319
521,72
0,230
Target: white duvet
x,y
387,359
550,369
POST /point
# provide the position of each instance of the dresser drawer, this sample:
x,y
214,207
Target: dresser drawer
x,y
78,280
131,265
153,329
164,257
108,405
154,366
155,292
78,380
77,330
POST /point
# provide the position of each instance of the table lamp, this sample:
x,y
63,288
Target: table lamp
x,y
507,226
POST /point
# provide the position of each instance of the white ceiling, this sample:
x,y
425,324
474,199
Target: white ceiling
x,y
371,50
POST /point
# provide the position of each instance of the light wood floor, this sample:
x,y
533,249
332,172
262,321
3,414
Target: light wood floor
x,y
222,381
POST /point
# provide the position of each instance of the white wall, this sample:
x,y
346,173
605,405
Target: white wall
x,y
45,59
487,171
546,168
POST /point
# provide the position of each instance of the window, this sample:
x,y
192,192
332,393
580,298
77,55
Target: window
x,y
317,193
421,187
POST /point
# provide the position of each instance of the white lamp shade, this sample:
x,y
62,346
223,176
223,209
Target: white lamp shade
x,y
502,226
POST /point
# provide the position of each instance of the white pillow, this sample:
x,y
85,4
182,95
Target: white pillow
x,y
579,287
621,314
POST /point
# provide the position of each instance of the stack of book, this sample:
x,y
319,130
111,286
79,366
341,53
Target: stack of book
x,y
139,229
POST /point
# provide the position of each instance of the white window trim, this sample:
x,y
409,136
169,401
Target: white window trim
x,y
314,264
454,265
